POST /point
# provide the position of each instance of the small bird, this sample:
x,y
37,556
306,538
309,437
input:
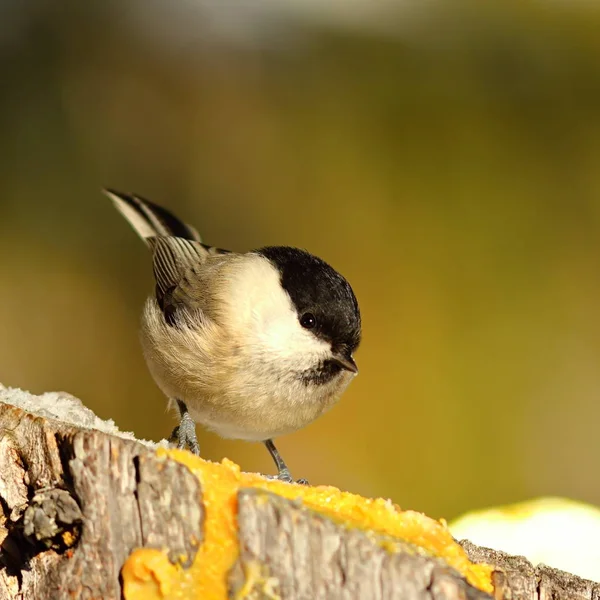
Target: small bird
x,y
251,345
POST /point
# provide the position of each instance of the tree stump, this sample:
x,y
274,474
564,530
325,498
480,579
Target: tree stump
x,y
90,512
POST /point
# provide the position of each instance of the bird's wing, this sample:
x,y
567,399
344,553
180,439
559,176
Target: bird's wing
x,y
182,274
174,260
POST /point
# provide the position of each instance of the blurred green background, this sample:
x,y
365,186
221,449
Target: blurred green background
x,y
443,156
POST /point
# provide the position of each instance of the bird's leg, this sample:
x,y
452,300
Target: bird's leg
x,y
283,473
184,435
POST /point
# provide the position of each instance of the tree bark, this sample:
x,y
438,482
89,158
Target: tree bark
x,y
77,497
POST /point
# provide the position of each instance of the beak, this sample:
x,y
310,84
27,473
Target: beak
x,y
346,363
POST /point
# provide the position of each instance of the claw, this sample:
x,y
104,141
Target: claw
x,y
184,435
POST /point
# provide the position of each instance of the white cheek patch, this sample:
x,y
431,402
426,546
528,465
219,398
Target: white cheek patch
x,y
283,336
265,318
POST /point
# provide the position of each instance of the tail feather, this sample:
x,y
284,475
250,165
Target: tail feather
x,y
149,219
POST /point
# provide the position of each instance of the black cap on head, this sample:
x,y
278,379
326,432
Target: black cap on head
x,y
318,290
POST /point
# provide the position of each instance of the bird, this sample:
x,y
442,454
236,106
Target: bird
x,y
251,345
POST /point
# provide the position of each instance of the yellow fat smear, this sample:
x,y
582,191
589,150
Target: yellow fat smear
x,y
149,575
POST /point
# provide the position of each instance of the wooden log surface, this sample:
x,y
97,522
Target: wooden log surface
x,y
77,497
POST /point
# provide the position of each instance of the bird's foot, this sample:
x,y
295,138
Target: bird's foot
x,y
286,476
283,473
184,435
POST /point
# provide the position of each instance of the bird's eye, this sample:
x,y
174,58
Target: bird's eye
x,y
308,321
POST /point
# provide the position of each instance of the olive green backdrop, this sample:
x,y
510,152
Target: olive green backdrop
x,y
446,160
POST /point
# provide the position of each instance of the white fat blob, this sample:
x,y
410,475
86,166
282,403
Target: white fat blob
x,y
262,315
